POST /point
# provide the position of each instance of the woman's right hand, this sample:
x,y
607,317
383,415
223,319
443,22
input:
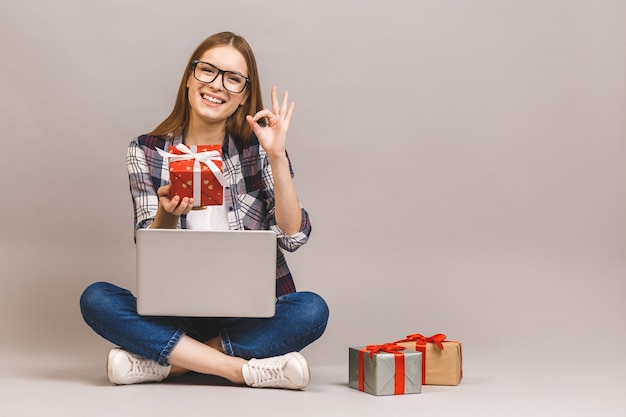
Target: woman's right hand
x,y
174,205
170,208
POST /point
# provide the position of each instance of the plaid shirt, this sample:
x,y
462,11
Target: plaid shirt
x,y
249,194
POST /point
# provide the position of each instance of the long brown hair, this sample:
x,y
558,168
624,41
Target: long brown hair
x,y
236,124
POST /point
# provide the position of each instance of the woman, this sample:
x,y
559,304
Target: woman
x,y
218,102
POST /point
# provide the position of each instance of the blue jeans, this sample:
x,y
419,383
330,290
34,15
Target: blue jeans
x,y
111,312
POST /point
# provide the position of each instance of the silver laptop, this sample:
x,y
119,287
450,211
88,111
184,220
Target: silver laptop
x,y
196,273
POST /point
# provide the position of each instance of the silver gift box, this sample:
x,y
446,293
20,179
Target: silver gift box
x,y
380,370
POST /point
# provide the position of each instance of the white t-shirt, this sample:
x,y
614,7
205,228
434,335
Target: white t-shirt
x,y
208,218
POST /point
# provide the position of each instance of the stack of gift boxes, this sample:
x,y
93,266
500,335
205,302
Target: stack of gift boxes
x,y
403,366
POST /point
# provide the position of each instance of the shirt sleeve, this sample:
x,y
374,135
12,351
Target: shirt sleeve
x,y
288,242
142,190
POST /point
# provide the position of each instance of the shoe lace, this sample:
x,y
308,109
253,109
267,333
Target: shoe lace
x,y
267,370
142,366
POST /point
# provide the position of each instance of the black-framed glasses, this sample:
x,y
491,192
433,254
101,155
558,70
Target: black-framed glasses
x,y
232,81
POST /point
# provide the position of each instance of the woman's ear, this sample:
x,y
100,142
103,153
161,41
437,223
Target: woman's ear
x,y
244,98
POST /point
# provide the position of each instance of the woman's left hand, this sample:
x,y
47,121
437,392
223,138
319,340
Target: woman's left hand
x,y
273,137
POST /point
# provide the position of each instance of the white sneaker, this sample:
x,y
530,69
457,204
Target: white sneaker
x,y
289,371
127,368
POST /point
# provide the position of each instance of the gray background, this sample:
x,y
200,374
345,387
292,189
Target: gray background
x,y
462,161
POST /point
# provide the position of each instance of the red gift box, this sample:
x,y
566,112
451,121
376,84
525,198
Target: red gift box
x,y
196,171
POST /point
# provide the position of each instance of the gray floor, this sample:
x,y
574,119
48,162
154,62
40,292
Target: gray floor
x,y
68,383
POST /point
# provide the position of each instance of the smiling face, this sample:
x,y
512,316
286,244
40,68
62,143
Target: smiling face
x,y
211,103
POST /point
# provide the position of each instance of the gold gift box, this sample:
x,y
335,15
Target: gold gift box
x,y
442,359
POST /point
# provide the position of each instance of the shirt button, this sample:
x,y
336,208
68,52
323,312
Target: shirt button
x,y
230,209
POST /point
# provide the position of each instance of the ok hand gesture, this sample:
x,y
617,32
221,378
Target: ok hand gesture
x,y
273,137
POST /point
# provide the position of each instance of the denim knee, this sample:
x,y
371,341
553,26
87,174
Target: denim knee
x,y
96,300
317,307
90,298
313,311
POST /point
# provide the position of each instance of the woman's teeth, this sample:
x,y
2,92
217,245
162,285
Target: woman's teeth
x,y
212,99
